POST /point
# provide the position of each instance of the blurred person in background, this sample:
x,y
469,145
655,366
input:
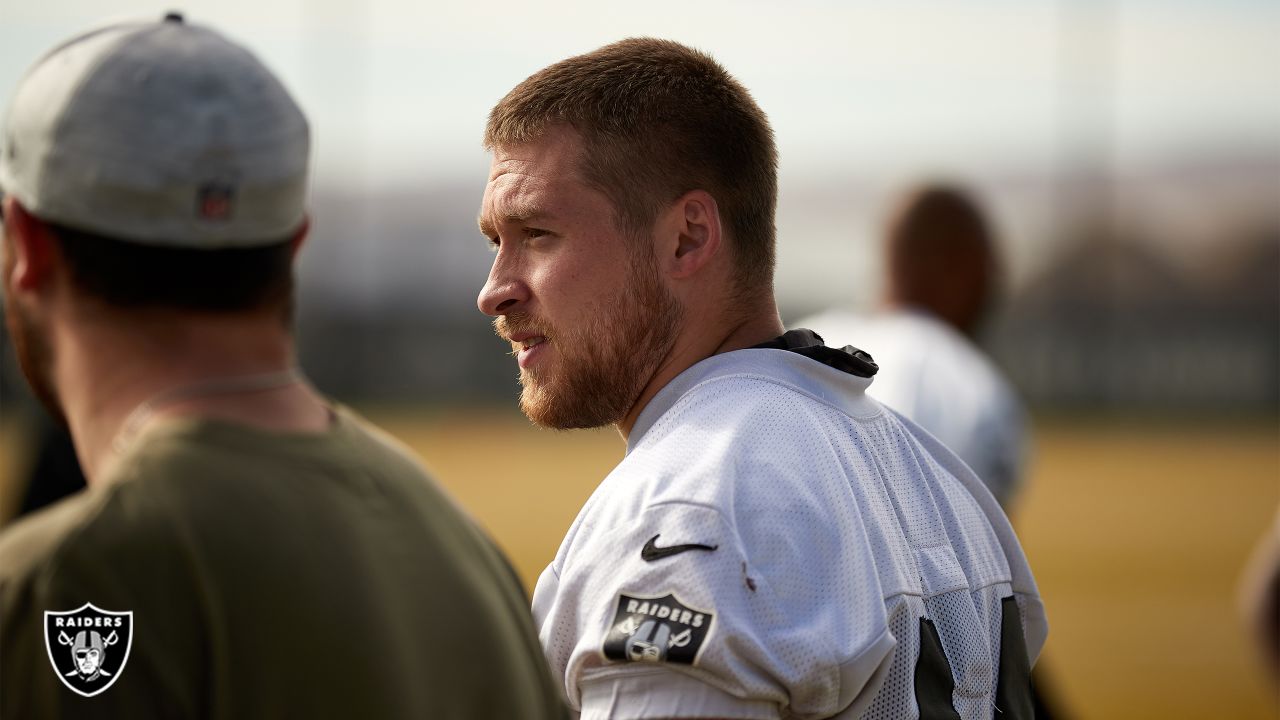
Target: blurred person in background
x,y
774,543
1259,599
941,274
245,548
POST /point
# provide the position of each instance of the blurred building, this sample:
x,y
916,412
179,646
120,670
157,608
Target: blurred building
x,y
1112,324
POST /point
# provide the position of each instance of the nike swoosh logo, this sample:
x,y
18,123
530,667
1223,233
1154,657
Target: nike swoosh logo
x,y
651,551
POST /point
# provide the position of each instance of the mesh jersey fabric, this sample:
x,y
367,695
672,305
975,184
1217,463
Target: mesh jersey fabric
x,y
272,575
943,382
836,524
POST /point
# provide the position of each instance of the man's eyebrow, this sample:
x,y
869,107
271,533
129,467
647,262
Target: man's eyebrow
x,y
514,214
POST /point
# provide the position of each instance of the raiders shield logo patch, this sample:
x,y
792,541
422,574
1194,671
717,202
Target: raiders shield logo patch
x,y
88,646
659,629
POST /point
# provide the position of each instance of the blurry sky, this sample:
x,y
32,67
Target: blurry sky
x,y
864,96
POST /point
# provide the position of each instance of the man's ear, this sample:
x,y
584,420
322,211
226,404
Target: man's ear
x,y
300,236
33,245
698,233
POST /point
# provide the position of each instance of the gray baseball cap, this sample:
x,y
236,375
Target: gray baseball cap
x,y
162,133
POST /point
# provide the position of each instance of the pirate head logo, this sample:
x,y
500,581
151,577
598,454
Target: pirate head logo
x,y
656,630
88,646
87,650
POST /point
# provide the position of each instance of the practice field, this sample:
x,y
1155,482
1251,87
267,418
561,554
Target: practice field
x,y
1137,535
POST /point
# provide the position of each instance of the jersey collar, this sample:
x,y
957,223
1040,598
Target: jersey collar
x,y
805,364
811,345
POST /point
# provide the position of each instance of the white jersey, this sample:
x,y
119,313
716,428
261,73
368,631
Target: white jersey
x,y
776,544
937,377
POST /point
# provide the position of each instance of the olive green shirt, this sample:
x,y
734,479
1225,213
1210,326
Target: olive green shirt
x,y
272,575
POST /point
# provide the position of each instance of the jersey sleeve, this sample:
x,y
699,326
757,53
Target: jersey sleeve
x,y
756,606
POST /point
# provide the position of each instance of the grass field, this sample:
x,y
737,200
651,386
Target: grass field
x,y
1137,535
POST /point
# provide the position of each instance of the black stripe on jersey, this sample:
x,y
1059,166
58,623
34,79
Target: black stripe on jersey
x,y
934,684
1013,691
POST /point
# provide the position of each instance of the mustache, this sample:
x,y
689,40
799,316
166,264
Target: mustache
x,y
507,325
519,323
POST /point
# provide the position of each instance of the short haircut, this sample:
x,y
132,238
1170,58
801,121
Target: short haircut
x,y
133,275
659,119
937,227
941,254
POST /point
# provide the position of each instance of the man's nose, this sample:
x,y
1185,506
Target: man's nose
x,y
504,292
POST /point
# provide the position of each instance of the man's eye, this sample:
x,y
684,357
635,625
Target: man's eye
x,y
535,232
494,242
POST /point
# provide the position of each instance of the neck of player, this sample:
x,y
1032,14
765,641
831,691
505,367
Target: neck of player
x,y
171,361
706,333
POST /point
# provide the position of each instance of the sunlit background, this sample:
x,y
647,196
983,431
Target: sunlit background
x,y
1127,151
